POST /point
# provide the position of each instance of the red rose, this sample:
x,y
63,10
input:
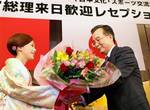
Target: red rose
x,y
90,65
69,50
63,67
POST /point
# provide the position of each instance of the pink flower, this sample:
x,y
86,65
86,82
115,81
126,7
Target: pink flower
x,y
84,72
74,62
81,64
67,63
49,63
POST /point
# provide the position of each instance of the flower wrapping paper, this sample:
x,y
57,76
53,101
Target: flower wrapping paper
x,y
67,69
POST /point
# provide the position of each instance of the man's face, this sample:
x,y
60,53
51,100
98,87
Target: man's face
x,y
101,41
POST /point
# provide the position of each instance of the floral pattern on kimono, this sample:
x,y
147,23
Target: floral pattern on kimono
x,y
17,92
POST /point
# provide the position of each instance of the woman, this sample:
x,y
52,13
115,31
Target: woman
x,y
16,90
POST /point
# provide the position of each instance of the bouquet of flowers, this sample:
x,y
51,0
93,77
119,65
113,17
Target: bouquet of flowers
x,y
69,64
68,70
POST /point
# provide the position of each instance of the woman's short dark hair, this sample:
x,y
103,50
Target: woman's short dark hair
x,y
17,40
106,29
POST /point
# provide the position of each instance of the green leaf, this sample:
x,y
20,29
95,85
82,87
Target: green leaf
x,y
54,56
90,76
56,66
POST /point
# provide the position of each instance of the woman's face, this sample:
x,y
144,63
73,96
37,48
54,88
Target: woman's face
x,y
28,51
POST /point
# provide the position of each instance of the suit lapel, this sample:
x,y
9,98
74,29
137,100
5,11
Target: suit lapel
x,y
112,56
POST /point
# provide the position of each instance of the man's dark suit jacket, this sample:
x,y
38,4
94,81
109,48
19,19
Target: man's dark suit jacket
x,y
127,92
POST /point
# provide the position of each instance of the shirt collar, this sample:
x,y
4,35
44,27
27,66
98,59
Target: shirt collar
x,y
109,52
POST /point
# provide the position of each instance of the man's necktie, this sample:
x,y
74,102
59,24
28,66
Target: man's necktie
x,y
106,59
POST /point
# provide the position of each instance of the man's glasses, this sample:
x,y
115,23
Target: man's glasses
x,y
96,41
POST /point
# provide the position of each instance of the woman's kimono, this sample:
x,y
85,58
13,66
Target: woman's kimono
x,y
17,92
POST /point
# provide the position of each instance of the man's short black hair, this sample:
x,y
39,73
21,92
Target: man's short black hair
x,y
106,29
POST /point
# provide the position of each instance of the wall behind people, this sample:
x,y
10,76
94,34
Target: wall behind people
x,y
79,16
37,28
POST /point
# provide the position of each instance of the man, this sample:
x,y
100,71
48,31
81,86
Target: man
x,y
127,92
